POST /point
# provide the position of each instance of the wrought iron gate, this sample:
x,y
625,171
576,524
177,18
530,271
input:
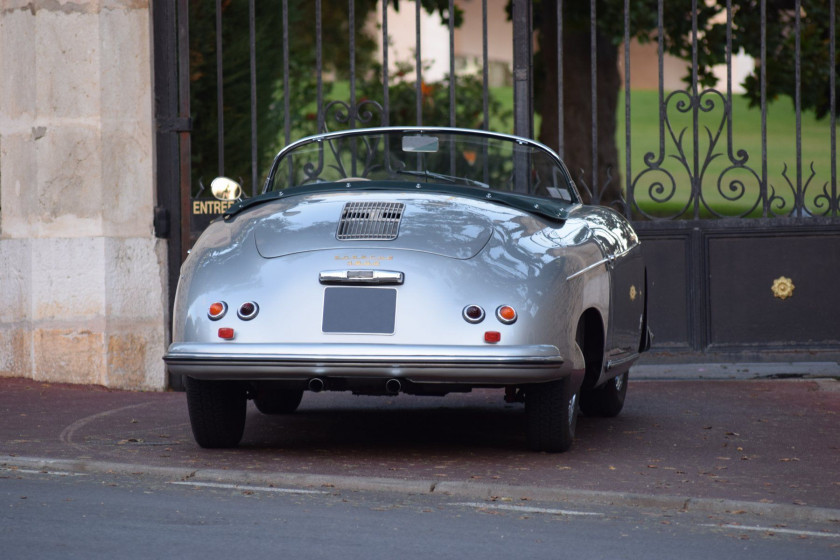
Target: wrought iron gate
x,y
743,249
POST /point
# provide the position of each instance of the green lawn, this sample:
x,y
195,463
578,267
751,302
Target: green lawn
x,y
746,136
739,191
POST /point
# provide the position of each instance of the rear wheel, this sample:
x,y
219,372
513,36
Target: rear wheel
x,y
217,412
277,401
551,411
606,400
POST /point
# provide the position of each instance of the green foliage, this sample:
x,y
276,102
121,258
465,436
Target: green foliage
x,y
270,96
302,85
711,47
441,6
781,50
469,104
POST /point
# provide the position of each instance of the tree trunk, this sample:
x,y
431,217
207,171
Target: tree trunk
x,y
578,126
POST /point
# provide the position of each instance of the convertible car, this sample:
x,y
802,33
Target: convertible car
x,y
410,260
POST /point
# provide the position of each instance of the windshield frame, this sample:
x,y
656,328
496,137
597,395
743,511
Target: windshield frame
x,y
570,186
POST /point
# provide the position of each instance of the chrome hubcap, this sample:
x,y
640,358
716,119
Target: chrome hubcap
x,y
619,381
572,409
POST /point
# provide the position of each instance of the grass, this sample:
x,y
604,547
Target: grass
x,y
746,136
740,192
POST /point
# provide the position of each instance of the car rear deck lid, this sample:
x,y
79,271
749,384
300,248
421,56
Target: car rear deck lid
x,y
447,226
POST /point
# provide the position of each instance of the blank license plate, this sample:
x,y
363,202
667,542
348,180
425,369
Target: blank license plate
x,y
359,310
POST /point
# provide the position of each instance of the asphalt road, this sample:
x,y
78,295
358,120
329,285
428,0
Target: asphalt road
x,y
771,442
70,515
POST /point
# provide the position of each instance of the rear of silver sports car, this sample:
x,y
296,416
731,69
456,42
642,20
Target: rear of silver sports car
x,y
379,292
409,260
376,292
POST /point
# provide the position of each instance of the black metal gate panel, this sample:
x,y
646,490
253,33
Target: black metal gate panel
x,y
741,244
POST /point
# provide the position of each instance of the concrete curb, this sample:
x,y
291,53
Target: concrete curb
x,y
464,489
734,371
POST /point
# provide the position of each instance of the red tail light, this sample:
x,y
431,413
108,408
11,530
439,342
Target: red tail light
x,y
248,310
473,314
226,333
492,337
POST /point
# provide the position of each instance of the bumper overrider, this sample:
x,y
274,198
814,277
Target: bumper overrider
x,y
415,363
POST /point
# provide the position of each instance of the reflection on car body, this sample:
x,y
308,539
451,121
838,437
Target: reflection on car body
x,y
408,260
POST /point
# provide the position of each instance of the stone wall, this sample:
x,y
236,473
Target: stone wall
x,y
82,277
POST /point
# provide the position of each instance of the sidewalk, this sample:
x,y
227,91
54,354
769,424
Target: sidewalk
x,y
746,441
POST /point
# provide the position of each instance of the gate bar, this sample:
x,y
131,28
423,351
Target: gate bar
x,y
351,15
452,69
627,98
185,139
418,91
834,203
593,84
220,94
386,101
485,74
253,55
561,134
286,111
319,63
765,192
523,123
799,199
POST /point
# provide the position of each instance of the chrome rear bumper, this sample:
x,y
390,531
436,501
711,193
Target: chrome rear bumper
x,y
416,363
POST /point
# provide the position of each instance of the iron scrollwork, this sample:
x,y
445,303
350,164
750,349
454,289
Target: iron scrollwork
x,y
695,154
739,190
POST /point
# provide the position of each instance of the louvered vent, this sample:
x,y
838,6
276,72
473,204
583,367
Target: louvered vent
x,y
368,221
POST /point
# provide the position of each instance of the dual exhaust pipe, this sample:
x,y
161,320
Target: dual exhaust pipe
x,y
392,386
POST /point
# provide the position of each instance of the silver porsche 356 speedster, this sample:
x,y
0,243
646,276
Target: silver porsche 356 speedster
x,y
410,260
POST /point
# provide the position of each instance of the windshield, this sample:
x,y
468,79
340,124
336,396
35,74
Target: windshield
x,y
477,159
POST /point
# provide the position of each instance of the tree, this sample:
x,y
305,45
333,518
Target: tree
x,y
677,38
236,85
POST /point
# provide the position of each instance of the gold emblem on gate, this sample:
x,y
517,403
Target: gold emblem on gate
x,y
783,287
633,293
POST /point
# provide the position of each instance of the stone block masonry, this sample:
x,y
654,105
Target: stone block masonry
x,y
82,277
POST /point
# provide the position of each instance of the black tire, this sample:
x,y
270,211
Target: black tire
x,y
606,400
278,401
551,411
217,412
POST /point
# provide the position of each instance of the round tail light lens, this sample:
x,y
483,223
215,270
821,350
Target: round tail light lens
x,y
248,311
506,314
217,310
473,314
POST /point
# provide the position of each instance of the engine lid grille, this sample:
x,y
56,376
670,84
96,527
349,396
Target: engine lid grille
x,y
370,221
